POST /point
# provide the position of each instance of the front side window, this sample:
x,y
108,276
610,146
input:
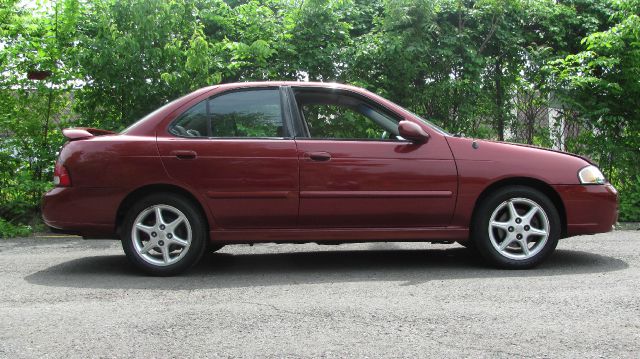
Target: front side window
x,y
338,115
251,113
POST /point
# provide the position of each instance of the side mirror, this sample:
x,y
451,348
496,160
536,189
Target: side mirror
x,y
412,132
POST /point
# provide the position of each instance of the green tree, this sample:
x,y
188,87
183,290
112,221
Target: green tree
x,y
125,47
36,44
601,84
320,37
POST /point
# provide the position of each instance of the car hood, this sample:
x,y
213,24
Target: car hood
x,y
497,160
587,159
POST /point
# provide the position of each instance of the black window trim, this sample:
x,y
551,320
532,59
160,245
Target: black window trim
x,y
288,116
306,135
289,101
287,121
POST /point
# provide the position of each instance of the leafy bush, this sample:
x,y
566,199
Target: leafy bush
x,y
19,202
8,230
630,200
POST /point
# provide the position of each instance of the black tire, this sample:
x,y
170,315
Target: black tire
x,y
469,244
481,231
199,235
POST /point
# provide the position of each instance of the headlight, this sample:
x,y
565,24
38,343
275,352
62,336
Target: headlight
x,y
591,175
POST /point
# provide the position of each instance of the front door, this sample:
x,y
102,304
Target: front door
x,y
355,170
235,149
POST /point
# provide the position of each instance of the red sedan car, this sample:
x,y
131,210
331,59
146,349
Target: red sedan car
x,y
315,162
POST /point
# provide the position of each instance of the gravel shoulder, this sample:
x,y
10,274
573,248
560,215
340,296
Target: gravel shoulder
x,y
65,297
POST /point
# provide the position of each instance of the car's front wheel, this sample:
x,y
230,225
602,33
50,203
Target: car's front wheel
x,y
164,234
516,227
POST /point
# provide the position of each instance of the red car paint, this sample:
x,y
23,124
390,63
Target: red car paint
x,y
302,189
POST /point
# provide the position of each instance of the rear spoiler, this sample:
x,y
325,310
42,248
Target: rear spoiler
x,y
81,133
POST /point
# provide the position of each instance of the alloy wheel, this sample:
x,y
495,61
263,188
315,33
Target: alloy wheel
x,y
161,235
518,228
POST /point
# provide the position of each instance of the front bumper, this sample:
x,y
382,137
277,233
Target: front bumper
x,y
589,209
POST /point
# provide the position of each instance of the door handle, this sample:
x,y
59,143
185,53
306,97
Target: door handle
x,y
319,156
184,154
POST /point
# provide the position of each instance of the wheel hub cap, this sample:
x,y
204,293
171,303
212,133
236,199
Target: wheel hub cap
x,y
518,228
161,235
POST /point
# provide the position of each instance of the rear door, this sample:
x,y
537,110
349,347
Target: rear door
x,y
235,148
355,171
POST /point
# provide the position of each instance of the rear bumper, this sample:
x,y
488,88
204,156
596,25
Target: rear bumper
x,y
84,211
590,209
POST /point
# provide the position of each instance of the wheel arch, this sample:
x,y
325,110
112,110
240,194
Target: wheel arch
x,y
537,184
146,190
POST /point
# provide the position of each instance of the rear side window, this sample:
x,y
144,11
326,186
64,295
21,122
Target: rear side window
x,y
192,123
251,113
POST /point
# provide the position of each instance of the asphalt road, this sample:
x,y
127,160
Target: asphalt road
x,y
77,299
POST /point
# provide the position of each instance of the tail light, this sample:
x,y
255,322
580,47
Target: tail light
x,y
61,176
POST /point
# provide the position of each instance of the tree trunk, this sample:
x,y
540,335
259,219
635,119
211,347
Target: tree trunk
x,y
45,133
499,99
530,128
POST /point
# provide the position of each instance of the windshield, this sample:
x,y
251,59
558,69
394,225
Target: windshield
x,y
432,125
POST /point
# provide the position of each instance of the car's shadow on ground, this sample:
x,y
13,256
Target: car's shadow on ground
x,y
222,270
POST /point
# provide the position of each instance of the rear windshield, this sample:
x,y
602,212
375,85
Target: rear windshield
x,y
135,124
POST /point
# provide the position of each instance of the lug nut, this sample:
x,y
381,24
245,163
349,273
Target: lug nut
x,y
161,243
519,236
153,234
518,220
510,229
169,235
526,228
162,227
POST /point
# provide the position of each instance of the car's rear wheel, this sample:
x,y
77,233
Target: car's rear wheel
x,y
516,227
164,234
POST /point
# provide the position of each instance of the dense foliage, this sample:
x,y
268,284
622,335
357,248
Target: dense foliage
x,y
485,68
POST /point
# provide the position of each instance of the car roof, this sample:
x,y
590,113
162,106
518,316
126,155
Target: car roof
x,y
289,83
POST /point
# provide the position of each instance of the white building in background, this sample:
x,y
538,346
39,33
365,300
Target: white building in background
x,y
557,128
549,116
